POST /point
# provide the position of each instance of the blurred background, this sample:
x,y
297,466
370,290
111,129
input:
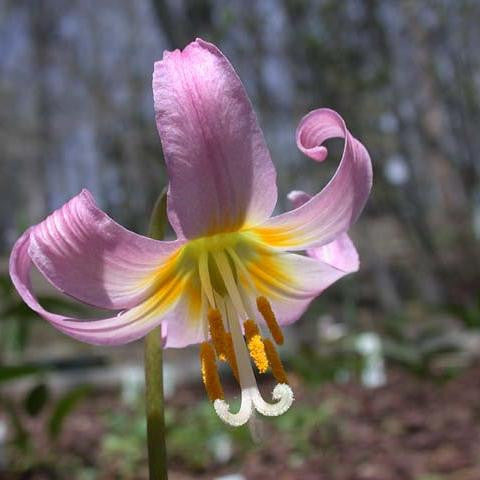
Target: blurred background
x,y
385,364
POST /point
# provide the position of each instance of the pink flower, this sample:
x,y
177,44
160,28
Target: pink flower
x,y
231,260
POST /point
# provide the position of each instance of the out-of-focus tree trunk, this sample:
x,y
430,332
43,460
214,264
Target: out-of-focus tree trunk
x,y
173,30
34,175
179,30
449,211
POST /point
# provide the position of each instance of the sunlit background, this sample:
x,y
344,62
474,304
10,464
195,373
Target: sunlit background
x,y
385,364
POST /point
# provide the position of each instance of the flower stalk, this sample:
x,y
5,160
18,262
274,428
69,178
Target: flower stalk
x,y
153,358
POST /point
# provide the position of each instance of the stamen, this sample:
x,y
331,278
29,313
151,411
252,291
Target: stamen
x,y
282,393
265,309
209,370
204,316
242,290
229,356
241,268
205,278
255,345
220,303
275,362
229,280
217,331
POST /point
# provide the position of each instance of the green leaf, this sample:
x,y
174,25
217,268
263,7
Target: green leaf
x,y
14,334
12,372
158,219
36,399
17,309
20,437
64,407
5,284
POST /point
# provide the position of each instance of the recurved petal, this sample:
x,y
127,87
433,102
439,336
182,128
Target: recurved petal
x,y
332,211
221,174
340,253
88,256
289,281
123,328
183,328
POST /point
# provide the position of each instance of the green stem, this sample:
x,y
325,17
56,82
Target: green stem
x,y
157,451
154,401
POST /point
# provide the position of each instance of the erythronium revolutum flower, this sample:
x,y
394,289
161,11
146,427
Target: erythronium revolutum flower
x,y
229,274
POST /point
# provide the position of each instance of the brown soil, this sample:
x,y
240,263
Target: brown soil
x,y
411,429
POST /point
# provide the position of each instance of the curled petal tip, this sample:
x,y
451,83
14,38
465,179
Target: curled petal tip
x,y
319,154
332,211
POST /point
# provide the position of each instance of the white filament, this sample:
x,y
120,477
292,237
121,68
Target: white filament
x,y
205,278
204,316
251,397
229,280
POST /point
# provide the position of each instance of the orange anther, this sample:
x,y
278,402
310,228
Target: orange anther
x,y
255,345
265,309
217,331
275,362
209,370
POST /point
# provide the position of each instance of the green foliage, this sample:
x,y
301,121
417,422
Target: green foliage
x,y
34,404
191,437
16,318
158,219
65,406
14,372
469,314
303,422
326,362
418,344
196,436
189,429
20,438
15,322
36,399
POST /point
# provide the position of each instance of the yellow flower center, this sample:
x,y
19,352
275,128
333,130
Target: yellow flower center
x,y
227,280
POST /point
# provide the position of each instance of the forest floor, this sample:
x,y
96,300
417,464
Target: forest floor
x,y
410,429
